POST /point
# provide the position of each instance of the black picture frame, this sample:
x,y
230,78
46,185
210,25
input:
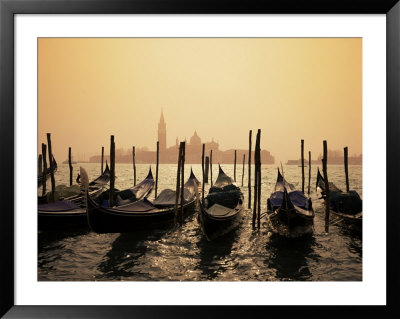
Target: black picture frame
x,y
8,8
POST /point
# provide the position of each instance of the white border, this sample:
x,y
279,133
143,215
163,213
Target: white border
x,y
372,28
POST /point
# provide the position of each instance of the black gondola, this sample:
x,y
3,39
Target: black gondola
x,y
48,171
345,206
95,187
142,214
72,211
289,210
222,207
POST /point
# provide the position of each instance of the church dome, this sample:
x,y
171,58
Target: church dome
x,y
195,139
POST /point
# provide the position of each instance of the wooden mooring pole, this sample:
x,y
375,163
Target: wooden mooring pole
x,y
309,172
249,175
102,160
259,180
44,168
51,164
182,180
244,158
134,165
234,168
202,169
206,169
178,181
302,166
256,176
70,166
40,165
158,151
211,168
346,167
327,195
112,171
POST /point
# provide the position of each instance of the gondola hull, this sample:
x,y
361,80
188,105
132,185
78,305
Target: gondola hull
x,y
222,209
65,218
290,223
289,211
352,221
142,214
61,220
103,220
71,212
213,227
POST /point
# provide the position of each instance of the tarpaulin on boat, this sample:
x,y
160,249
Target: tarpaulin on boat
x,y
227,196
296,197
60,206
128,195
168,197
139,206
221,211
347,203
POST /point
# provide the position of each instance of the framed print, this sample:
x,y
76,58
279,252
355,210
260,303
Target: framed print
x,y
181,140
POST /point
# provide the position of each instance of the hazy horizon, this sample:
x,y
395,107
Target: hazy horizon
x,y
292,89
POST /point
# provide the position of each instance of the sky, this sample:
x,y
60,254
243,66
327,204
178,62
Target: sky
x,y
290,88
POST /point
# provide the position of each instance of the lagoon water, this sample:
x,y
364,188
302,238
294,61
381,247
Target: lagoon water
x,y
177,254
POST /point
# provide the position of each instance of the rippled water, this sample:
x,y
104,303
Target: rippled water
x,y
185,254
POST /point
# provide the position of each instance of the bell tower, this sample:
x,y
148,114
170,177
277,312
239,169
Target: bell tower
x,y
162,133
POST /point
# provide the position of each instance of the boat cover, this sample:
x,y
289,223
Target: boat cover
x,y
60,206
227,196
217,210
296,197
168,197
136,207
347,203
128,195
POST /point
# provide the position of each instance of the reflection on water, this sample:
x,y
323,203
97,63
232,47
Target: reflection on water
x,y
184,253
214,256
290,257
124,257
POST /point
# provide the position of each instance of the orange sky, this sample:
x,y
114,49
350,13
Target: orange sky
x,y
293,89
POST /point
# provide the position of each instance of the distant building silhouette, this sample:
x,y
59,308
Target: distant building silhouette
x,y
335,157
193,152
162,133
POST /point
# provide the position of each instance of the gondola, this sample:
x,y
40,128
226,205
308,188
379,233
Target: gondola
x,y
289,210
72,211
48,171
344,206
142,214
222,208
95,186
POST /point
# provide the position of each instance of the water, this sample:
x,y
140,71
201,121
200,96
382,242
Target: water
x,y
185,254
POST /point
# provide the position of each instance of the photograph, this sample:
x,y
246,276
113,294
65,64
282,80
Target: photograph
x,y
226,159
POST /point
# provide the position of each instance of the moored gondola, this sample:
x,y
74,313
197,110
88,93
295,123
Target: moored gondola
x,y
71,211
289,210
76,195
222,207
344,206
141,214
